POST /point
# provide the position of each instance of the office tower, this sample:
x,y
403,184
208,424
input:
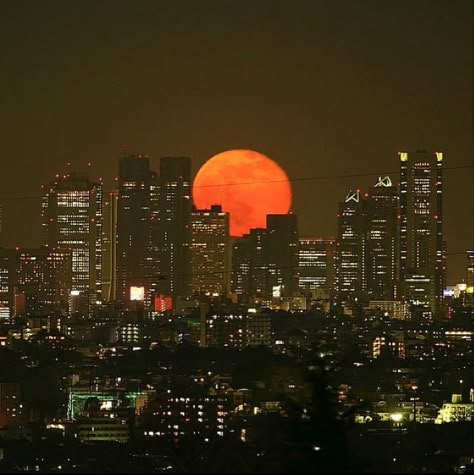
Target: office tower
x,y
382,238
209,251
175,225
249,266
282,253
470,277
109,268
34,281
72,219
259,282
153,258
42,281
351,249
422,258
316,264
133,224
241,276
7,282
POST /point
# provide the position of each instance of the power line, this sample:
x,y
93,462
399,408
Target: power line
x,y
297,179
326,177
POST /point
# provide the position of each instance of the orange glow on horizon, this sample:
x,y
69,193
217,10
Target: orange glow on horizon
x,y
247,184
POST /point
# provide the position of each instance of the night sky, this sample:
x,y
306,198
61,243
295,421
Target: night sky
x,y
327,87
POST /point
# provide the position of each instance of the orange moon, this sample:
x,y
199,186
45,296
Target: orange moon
x,y
247,184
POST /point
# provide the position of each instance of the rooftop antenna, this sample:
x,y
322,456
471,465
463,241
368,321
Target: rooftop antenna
x,y
125,149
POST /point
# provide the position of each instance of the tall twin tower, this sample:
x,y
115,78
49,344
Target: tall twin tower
x,y
390,240
153,227
135,239
145,241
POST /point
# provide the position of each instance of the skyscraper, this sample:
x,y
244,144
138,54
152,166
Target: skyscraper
x,y
470,277
249,279
210,251
282,252
7,282
382,240
153,257
241,276
316,264
422,258
133,224
351,249
72,219
259,282
175,225
43,279
109,261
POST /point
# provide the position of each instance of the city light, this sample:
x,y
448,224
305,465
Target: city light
x,y
396,417
185,303
137,293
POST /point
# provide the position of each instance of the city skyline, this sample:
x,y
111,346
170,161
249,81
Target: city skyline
x,y
270,85
237,236
457,274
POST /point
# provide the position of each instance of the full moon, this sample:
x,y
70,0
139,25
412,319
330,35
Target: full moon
x,y
247,184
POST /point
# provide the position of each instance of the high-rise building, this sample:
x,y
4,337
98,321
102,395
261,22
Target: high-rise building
x,y
35,281
282,252
351,249
382,238
72,220
250,267
316,264
175,225
133,225
368,245
43,279
109,261
153,257
259,282
241,268
210,251
7,282
422,254
470,277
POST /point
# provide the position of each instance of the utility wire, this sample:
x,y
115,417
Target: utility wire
x,y
298,179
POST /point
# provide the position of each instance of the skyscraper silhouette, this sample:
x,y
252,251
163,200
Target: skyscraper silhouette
x,y
316,264
133,223
210,250
72,219
422,257
351,249
175,225
282,248
382,240
109,259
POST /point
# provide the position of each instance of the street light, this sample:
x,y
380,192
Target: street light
x,y
460,384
